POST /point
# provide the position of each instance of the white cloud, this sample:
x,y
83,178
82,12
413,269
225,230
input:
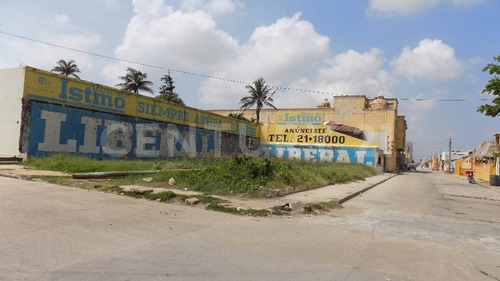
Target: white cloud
x,y
283,47
158,35
406,7
279,50
61,18
362,69
21,51
112,71
212,6
347,73
432,60
305,98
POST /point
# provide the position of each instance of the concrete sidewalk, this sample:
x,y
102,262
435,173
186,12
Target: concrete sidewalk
x,y
488,185
482,183
18,171
340,192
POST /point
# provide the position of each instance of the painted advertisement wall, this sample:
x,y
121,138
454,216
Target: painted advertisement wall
x,y
59,129
366,155
302,135
45,86
65,115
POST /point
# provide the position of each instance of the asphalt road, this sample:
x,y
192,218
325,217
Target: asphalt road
x,y
416,226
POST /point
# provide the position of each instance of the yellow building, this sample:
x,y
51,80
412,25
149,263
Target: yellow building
x,y
377,119
483,160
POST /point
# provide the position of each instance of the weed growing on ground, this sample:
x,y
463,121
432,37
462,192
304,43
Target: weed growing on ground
x,y
229,175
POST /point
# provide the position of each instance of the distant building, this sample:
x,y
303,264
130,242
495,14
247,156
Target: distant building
x,y
483,160
373,120
455,155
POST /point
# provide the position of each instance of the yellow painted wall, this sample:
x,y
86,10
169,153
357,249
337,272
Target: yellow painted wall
x,y
48,87
483,169
458,169
308,135
353,111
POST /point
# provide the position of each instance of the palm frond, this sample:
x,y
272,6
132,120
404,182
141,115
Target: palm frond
x,y
135,81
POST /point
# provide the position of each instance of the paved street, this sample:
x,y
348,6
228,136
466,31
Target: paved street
x,y
415,226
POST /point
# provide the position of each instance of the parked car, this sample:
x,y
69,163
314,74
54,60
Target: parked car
x,y
412,166
435,168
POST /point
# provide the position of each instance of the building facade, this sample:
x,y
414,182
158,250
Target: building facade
x,y
376,120
43,113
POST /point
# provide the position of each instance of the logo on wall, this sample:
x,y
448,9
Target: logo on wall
x,y
300,118
42,82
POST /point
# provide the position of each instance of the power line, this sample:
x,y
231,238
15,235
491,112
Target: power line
x,y
444,100
160,67
119,59
210,76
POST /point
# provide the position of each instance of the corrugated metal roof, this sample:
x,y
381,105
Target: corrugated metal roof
x,y
484,149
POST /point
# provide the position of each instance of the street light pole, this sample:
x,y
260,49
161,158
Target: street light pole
x,y
449,157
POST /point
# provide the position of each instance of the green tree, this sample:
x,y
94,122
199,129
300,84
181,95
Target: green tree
x,y
492,87
238,116
135,81
260,96
167,91
66,68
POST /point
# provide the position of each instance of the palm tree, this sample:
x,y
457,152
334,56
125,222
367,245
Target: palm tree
x,y
135,81
66,68
260,96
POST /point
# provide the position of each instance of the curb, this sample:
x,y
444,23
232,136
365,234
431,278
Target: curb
x,y
352,195
11,176
10,160
112,174
293,190
488,186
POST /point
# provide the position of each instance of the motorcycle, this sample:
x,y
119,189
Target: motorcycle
x,y
470,177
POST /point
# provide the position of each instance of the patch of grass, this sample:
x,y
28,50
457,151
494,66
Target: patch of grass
x,y
229,175
162,196
81,164
211,203
326,206
118,190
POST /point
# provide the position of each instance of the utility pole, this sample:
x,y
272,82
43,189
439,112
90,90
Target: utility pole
x,y
449,157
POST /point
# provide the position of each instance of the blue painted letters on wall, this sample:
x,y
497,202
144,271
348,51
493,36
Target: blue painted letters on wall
x,y
59,129
362,155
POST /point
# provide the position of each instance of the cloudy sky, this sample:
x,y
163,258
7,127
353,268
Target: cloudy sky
x,y
407,49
